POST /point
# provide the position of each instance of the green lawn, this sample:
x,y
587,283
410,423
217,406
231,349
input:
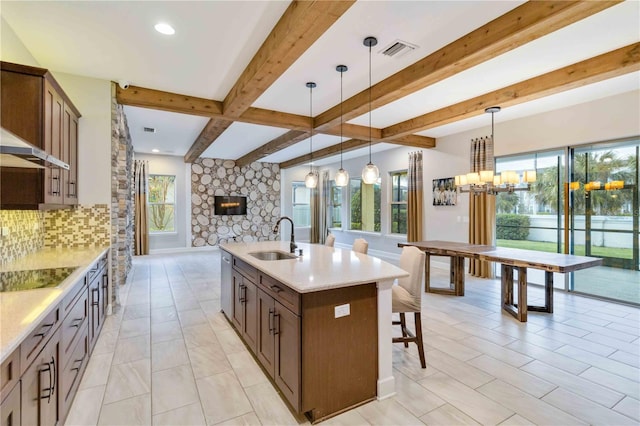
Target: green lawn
x,y
579,249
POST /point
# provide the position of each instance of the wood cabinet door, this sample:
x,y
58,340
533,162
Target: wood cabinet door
x,y
226,284
70,155
104,295
95,317
10,408
265,342
250,329
53,113
287,357
237,317
40,387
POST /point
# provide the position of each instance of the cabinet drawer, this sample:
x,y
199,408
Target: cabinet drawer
x,y
33,343
71,374
245,269
280,292
9,373
80,289
97,268
75,323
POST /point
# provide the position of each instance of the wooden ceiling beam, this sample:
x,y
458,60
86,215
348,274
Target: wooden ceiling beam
x,y
299,27
349,145
515,28
213,129
608,65
281,142
167,101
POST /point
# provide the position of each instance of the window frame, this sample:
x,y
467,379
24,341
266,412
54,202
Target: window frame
x,y
392,203
294,185
172,204
350,195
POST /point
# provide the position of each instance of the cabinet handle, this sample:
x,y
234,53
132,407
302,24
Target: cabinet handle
x,y
45,332
275,288
95,302
105,280
81,361
72,193
48,391
53,387
276,330
57,179
243,295
271,329
226,259
77,322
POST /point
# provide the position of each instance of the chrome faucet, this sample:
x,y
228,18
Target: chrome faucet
x,y
292,244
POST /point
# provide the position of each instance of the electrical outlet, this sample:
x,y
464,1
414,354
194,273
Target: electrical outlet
x,y
5,231
342,310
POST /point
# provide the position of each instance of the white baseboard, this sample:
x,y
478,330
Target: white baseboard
x,y
183,249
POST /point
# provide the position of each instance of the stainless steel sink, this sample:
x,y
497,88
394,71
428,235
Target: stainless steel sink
x,y
272,255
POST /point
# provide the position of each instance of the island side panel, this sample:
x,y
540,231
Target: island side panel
x,y
386,381
339,355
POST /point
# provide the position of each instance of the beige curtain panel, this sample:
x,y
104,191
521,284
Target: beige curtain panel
x,y
141,224
414,198
482,208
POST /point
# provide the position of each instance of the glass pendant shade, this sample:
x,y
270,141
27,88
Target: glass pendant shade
x,y
311,180
342,177
370,174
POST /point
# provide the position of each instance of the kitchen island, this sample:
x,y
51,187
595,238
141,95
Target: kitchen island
x,y
318,323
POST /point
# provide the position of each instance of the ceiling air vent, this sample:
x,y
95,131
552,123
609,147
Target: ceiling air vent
x,y
149,129
398,48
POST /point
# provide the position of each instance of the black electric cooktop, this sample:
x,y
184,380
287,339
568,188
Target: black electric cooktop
x,y
33,279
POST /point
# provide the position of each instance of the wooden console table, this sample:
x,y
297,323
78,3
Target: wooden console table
x,y
511,259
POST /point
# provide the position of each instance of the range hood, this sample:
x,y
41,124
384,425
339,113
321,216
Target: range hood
x,y
16,152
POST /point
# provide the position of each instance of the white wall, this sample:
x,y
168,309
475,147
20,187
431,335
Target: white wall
x,y
604,119
172,165
11,47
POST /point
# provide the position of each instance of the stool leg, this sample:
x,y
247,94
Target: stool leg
x,y
418,320
403,325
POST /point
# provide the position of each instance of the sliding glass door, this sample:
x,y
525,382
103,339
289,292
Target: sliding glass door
x,y
604,218
600,196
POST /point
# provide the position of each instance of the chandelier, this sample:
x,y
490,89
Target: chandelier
x,y
486,182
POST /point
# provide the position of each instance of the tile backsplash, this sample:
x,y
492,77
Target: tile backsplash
x,y
83,226
22,233
32,230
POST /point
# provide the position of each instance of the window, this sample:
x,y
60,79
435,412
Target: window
x,y
399,191
161,201
301,204
335,206
365,205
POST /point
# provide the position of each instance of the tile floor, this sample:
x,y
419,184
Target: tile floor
x,y
169,357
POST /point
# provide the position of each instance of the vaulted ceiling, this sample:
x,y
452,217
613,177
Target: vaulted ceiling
x,y
231,82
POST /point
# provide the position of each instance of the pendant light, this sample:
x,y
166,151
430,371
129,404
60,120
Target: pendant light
x,y
311,181
342,176
370,173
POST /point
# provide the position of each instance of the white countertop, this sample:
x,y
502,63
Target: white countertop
x,y
21,311
319,268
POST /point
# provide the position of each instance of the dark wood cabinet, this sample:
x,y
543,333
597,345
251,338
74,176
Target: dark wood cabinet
x,y
10,408
245,295
40,386
98,285
35,108
75,362
321,362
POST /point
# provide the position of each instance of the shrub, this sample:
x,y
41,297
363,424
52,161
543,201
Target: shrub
x,y
512,227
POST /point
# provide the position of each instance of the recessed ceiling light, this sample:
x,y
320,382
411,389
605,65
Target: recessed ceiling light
x,y
155,150
163,28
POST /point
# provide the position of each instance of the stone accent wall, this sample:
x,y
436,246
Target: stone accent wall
x,y
84,226
26,233
259,182
121,195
